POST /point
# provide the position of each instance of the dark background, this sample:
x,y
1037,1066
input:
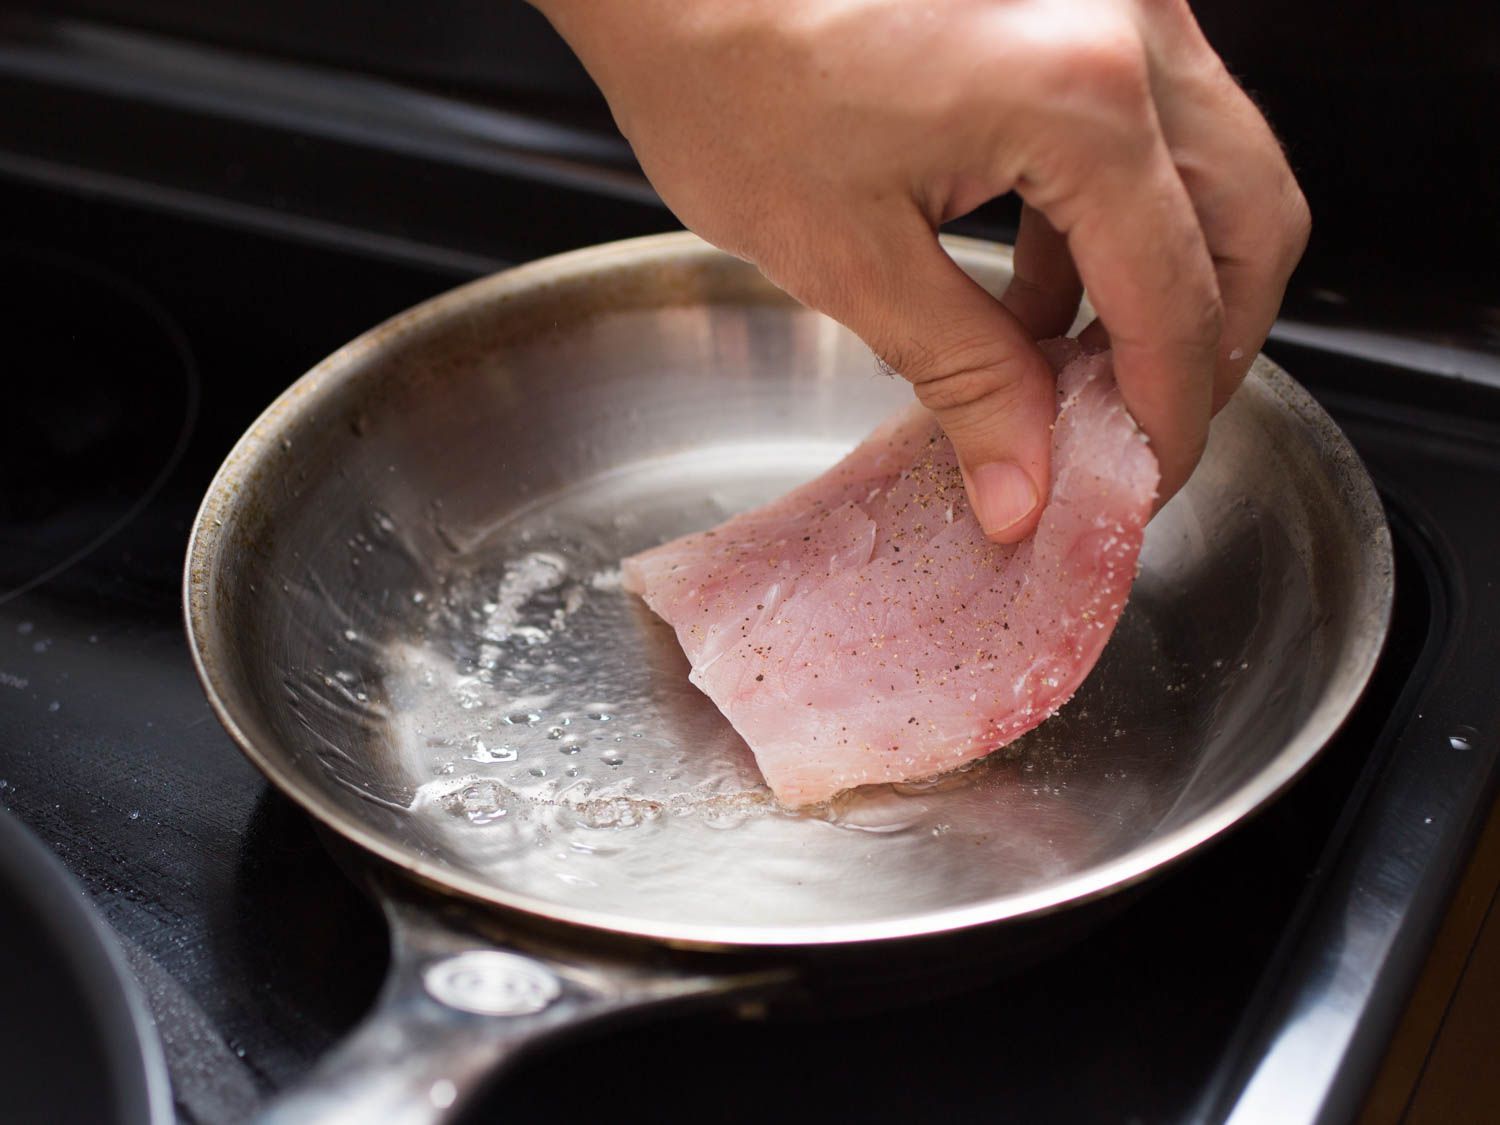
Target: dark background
x,y
274,178
1388,112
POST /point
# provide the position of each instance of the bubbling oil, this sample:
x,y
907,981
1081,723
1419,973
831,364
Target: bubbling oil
x,y
536,723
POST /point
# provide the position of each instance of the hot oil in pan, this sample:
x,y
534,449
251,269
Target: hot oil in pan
x,y
547,736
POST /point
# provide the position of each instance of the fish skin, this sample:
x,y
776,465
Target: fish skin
x,y
861,629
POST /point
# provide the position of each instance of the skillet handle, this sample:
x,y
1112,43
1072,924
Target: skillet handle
x,y
456,1009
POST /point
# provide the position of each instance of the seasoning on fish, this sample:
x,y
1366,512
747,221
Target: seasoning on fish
x,y
861,629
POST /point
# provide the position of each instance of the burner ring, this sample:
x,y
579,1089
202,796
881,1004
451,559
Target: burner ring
x,y
102,401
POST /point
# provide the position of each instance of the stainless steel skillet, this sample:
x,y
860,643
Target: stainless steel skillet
x,y
403,601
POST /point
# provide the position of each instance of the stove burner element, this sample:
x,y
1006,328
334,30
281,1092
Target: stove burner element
x,y
101,400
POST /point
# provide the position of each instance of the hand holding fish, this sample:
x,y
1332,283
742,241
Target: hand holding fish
x,y
826,141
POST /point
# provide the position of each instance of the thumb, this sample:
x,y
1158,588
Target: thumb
x,y
972,364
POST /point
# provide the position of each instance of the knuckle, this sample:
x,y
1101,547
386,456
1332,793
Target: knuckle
x,y
955,391
1107,65
956,380
1097,91
1298,223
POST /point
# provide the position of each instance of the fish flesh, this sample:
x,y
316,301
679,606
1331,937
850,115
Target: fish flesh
x,y
861,628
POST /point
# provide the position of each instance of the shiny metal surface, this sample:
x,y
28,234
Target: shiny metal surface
x,y
402,600
426,1050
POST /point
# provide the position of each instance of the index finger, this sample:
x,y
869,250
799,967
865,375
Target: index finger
x,y
1140,251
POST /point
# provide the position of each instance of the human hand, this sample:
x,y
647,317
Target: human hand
x,y
826,140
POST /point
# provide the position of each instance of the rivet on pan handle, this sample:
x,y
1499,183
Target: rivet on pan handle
x,y
456,1010
488,982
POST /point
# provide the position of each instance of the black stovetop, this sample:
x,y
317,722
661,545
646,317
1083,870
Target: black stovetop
x,y
147,334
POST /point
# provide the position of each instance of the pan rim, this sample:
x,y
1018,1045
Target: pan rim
x,y
1372,619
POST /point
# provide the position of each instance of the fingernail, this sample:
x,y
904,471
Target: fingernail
x,y
1003,495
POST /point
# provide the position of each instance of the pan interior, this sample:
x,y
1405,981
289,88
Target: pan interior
x,y
416,622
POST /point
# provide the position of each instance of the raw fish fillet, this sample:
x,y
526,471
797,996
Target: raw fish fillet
x,y
862,629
